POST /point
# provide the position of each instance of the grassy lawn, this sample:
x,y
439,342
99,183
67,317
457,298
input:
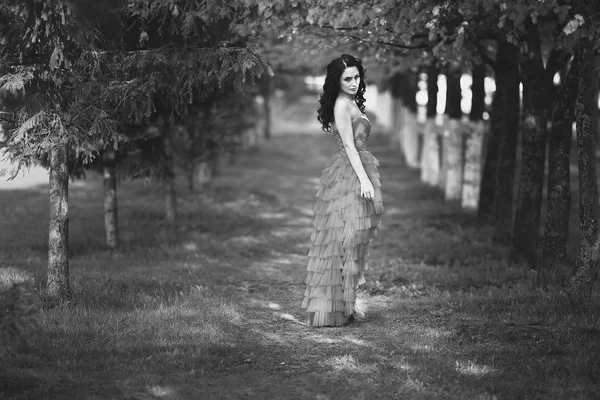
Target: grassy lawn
x,y
210,309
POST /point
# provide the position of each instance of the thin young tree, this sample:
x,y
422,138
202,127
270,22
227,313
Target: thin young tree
x,y
553,269
77,92
536,95
60,119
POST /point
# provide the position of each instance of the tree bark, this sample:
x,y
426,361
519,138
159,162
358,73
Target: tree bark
x,y
59,287
531,181
410,131
472,169
169,179
474,141
397,85
488,185
586,265
430,155
111,219
396,141
453,146
559,184
266,93
506,168
478,93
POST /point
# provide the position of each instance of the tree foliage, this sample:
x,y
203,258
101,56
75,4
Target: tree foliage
x,y
83,76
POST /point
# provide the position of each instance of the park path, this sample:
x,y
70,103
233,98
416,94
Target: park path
x,y
282,179
385,356
210,307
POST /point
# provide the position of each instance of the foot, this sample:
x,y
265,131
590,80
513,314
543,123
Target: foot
x,y
357,316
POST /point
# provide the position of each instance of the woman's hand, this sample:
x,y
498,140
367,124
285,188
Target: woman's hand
x,y
367,191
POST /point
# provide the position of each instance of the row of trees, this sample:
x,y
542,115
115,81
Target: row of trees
x,y
545,47
143,84
91,70
523,42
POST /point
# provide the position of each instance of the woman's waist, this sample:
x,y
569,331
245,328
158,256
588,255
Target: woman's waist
x,y
358,145
359,151
358,148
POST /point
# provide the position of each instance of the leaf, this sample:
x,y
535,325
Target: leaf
x,y
14,83
56,58
460,39
573,24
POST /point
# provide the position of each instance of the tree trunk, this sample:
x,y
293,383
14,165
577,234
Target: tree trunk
x,y
266,93
506,168
59,287
474,142
410,129
586,266
169,179
454,158
488,186
478,93
531,183
190,170
559,185
472,170
396,141
595,115
430,155
397,87
111,219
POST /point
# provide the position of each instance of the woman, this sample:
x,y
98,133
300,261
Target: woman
x,y
348,209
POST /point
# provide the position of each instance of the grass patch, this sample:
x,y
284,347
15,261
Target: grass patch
x,y
210,308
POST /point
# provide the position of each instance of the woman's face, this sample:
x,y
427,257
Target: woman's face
x,y
350,80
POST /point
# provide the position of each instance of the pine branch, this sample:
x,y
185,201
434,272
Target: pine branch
x,y
7,116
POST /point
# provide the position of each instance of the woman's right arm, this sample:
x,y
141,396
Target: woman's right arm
x,y
343,122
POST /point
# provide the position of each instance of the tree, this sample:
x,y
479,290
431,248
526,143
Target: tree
x,y
430,159
536,92
474,139
507,128
586,265
204,42
60,119
78,92
452,152
202,137
559,176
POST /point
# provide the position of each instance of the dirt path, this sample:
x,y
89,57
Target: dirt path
x,y
399,351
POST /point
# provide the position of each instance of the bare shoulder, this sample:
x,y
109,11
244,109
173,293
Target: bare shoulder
x,y
342,108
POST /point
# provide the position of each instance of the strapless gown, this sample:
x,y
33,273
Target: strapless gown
x,y
344,225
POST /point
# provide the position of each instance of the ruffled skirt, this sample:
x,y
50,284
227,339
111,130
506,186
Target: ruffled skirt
x,y
344,225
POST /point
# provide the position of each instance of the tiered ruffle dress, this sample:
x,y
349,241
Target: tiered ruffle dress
x,y
344,225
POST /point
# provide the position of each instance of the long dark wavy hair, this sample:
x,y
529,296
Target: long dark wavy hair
x,y
331,88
